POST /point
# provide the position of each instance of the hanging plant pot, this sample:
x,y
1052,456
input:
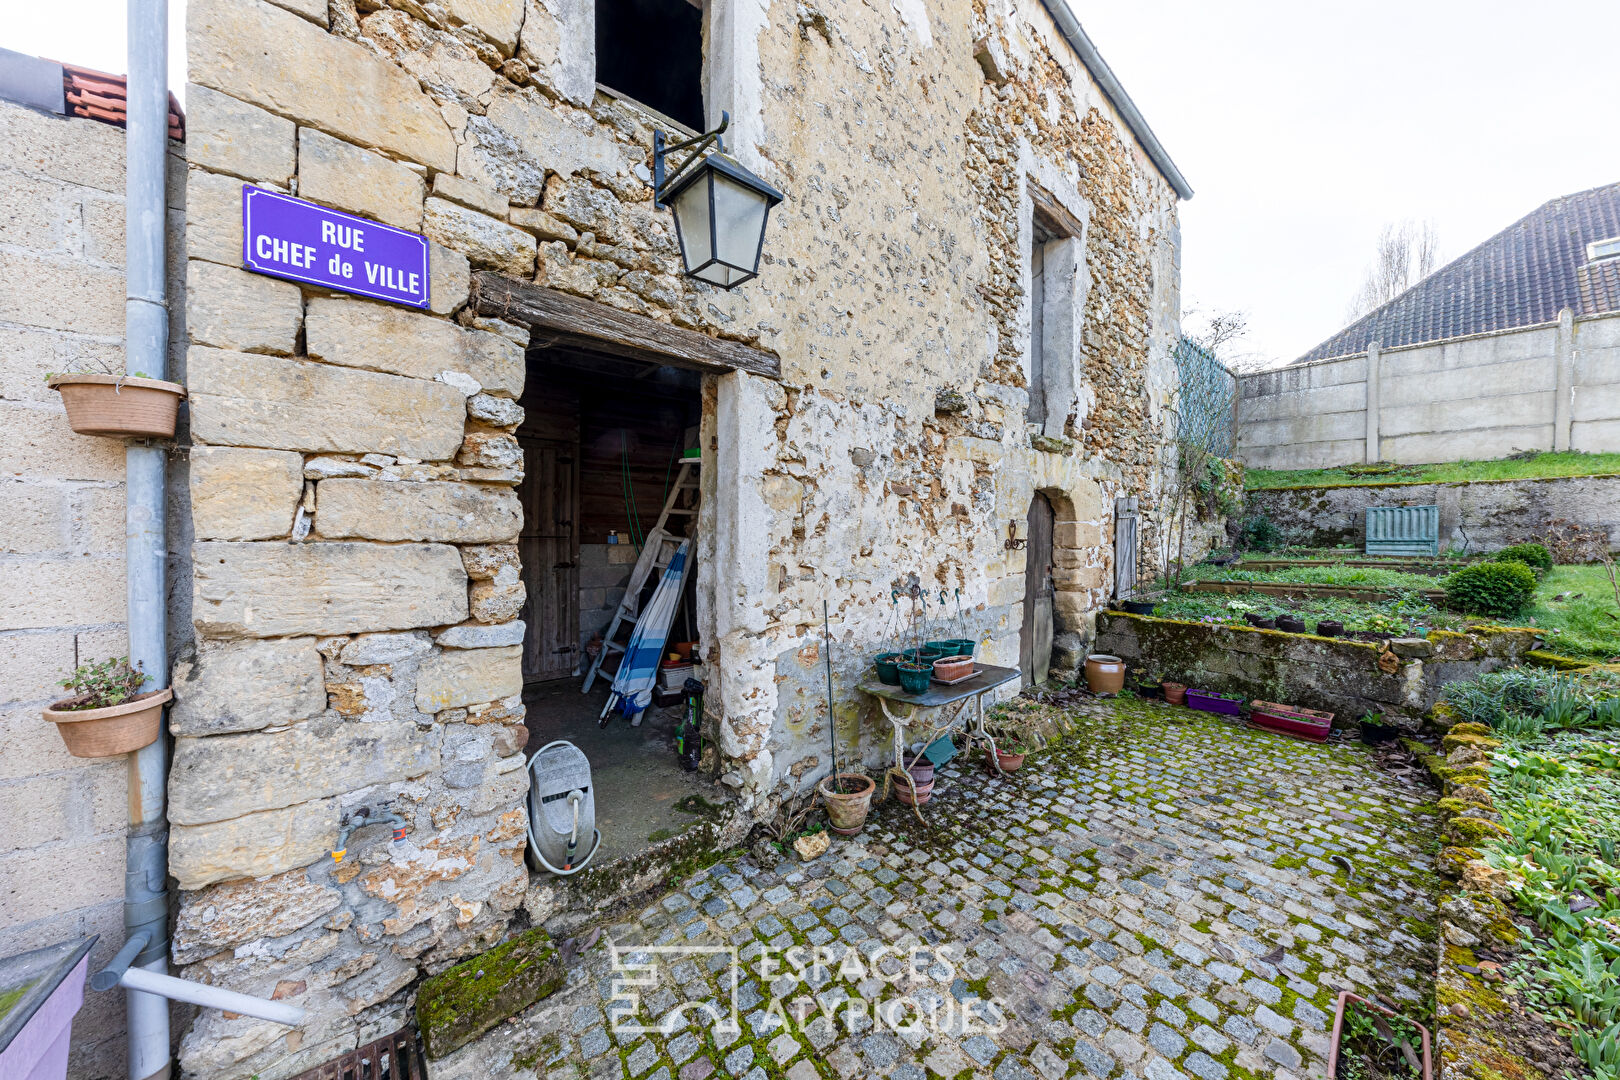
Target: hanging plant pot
x,y
1105,675
885,664
119,406
1174,693
1291,623
117,729
914,678
847,809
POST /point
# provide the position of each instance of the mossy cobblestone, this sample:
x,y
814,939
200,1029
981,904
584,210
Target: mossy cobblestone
x,y
1160,895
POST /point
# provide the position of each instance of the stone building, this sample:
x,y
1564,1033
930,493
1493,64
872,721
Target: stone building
x,y
393,520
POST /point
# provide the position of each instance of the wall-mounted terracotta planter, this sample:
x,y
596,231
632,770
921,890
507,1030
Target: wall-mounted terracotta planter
x,y
117,729
119,406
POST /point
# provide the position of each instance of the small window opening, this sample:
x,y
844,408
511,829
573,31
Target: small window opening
x,y
652,51
1044,234
1603,249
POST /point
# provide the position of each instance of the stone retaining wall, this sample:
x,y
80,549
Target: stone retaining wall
x,y
1481,516
1336,674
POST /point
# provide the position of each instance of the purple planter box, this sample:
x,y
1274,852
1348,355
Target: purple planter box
x,y
35,1030
1209,701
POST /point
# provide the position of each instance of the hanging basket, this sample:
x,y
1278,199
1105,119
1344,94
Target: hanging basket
x,y
119,406
117,729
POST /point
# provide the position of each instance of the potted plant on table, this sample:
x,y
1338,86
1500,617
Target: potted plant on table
x,y
107,714
114,404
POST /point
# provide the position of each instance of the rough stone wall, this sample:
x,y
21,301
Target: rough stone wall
x,y
1480,516
352,484
61,542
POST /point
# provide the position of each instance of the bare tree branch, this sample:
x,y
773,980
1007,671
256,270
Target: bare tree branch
x,y
1407,252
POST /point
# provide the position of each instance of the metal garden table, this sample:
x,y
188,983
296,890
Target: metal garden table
x,y
929,704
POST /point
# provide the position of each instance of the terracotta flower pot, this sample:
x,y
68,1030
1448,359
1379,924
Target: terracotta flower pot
x,y
1008,762
115,730
119,406
1174,693
922,778
1105,674
847,809
951,668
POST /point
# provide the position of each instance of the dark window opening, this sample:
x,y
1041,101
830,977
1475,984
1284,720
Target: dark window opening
x,y
652,51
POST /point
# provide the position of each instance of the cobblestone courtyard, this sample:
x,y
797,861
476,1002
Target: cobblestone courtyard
x,y
1164,895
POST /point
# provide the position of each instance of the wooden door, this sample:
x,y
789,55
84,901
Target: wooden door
x,y
548,547
1035,639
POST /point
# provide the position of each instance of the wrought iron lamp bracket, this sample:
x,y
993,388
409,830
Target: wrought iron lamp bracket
x,y
661,182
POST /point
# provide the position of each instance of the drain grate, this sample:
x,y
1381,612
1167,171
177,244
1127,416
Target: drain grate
x,y
392,1057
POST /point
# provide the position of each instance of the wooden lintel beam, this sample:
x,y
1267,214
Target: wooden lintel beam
x,y
573,320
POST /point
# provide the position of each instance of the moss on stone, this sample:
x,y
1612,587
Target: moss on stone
x,y
456,1006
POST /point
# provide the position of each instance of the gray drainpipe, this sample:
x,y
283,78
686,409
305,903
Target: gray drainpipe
x,y
146,349
1069,26
141,966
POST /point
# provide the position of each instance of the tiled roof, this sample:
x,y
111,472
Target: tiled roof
x,y
101,96
1522,276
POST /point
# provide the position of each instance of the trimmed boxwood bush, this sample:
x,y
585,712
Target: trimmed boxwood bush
x,y
1534,556
1498,589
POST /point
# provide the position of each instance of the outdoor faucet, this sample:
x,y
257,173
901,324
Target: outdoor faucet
x,y
359,819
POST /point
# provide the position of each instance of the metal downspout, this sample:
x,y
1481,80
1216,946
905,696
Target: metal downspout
x,y
146,348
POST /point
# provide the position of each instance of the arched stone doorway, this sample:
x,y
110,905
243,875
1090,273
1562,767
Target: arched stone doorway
x,y
1035,638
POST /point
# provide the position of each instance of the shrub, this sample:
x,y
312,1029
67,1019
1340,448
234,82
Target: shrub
x,y
1534,556
1260,533
1498,589
100,686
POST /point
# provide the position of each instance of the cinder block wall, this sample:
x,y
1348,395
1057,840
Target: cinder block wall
x,y
61,543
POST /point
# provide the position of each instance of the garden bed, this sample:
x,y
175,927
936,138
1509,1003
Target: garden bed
x,y
1309,591
1529,978
1534,467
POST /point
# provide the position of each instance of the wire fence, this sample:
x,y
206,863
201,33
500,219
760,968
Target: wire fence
x,y
1205,401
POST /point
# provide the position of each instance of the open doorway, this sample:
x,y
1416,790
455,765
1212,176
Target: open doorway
x,y
605,440
1035,638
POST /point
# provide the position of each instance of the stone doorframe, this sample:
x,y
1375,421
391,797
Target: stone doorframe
x,y
1081,557
736,431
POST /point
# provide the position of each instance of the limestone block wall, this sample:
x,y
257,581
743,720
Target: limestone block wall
x,y
62,541
1481,516
1550,387
354,578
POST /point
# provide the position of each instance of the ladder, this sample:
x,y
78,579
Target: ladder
x,y
656,553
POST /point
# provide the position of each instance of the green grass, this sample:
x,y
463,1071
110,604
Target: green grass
x,y
1587,625
1539,467
1360,577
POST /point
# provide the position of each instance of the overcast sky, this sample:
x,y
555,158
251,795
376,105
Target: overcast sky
x,y
1303,128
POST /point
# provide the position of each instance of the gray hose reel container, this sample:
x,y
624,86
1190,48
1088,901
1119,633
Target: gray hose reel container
x,y
563,837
